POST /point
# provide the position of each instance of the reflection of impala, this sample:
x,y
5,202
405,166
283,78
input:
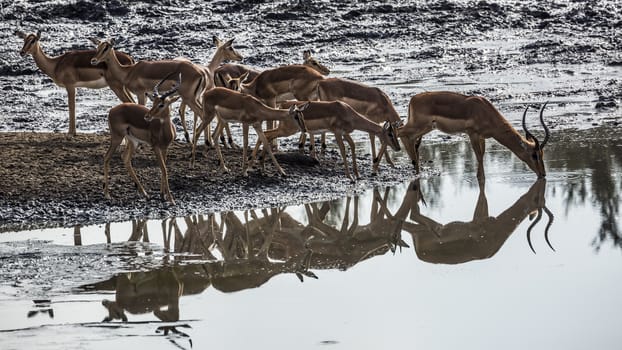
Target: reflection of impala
x,y
452,112
458,242
72,70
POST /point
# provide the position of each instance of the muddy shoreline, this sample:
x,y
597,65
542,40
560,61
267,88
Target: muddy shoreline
x,y
513,53
49,180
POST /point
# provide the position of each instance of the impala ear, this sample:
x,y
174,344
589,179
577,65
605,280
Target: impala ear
x,y
229,42
111,41
20,34
216,41
38,35
95,41
306,54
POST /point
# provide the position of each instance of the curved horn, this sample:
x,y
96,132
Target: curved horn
x,y
547,134
156,92
531,227
548,224
529,135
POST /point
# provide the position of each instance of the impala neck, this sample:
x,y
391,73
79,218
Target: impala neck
x,y
275,114
217,59
46,63
515,142
369,126
116,68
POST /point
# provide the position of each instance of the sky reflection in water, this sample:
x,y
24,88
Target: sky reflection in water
x,y
472,282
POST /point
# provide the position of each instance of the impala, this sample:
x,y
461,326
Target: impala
x,y
141,77
226,72
340,119
72,70
138,124
452,112
232,106
457,242
224,51
369,101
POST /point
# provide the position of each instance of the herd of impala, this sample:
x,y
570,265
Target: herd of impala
x,y
298,96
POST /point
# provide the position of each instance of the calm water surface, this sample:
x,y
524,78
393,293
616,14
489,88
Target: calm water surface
x,y
379,270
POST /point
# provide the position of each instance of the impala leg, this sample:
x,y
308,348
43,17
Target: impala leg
x,y
312,149
165,191
219,128
230,137
182,117
353,151
372,140
71,99
245,162
127,159
323,143
376,164
195,137
301,142
479,147
264,140
342,150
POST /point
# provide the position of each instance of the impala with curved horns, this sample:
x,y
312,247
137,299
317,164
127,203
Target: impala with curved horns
x,y
452,112
141,77
140,125
72,70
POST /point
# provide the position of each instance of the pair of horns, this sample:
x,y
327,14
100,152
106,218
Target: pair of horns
x,y
546,229
529,135
168,93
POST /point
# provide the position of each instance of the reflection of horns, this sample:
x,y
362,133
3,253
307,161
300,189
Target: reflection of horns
x,y
169,92
546,229
531,227
548,224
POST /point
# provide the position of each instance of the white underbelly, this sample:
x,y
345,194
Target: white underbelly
x,y
135,140
93,84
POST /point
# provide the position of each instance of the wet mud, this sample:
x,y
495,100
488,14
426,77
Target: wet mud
x,y
513,53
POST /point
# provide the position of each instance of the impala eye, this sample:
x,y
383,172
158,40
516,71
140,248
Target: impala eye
x,y
534,156
161,105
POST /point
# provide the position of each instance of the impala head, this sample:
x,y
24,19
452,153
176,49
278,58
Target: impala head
x,y
162,101
30,41
389,134
295,112
226,49
534,151
310,61
103,49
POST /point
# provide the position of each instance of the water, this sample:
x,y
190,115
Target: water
x,y
391,272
